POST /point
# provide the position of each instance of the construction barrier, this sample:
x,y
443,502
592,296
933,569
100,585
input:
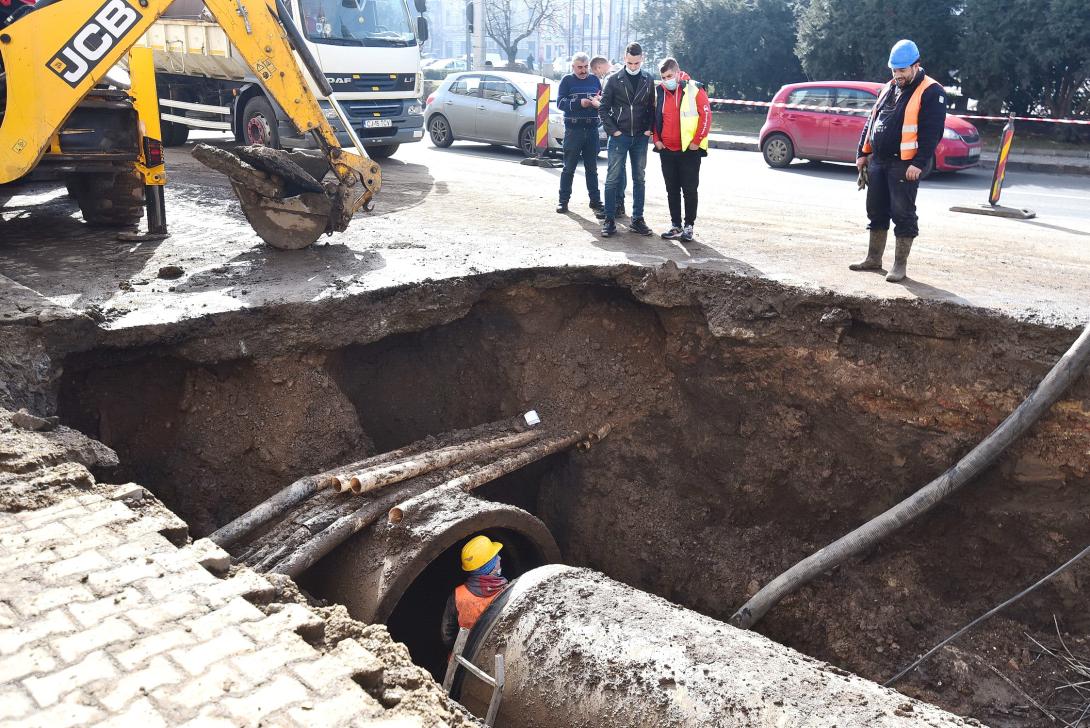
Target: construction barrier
x,y
1001,163
810,107
541,133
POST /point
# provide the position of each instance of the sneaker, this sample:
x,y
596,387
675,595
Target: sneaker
x,y
639,226
686,234
609,228
620,211
562,208
597,206
672,234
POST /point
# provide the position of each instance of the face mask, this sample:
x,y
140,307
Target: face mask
x,y
631,72
670,85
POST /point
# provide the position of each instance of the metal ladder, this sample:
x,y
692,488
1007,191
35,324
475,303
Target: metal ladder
x,y
496,682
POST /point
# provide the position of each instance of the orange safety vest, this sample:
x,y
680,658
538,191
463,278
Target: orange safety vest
x,y
470,606
910,130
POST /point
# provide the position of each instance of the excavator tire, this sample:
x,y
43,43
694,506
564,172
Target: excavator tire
x,y
113,199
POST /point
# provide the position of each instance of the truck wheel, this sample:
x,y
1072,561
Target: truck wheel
x,y
384,151
440,132
108,198
259,125
174,135
778,150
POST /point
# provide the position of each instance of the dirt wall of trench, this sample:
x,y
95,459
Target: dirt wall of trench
x,y
753,424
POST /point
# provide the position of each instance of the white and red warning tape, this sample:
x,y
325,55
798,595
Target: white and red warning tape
x,y
808,107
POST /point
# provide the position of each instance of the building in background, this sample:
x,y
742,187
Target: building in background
x,y
600,27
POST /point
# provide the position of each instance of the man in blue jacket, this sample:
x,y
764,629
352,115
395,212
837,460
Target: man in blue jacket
x,y
896,146
627,110
577,97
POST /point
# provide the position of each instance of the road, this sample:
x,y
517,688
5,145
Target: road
x,y
473,208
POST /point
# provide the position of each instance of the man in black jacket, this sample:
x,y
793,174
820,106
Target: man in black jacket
x,y
897,145
627,110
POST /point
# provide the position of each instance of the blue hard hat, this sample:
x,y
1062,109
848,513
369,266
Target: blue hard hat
x,y
904,54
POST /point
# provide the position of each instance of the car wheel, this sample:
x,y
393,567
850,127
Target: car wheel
x,y
778,150
527,143
259,125
440,132
384,151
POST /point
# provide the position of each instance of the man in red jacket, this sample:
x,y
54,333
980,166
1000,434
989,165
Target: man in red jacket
x,y
680,129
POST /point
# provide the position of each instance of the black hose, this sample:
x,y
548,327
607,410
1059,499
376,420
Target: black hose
x,y
1056,382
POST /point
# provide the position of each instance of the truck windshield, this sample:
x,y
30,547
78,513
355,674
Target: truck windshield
x,y
357,22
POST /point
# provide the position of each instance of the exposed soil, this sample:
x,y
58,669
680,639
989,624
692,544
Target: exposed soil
x,y
753,424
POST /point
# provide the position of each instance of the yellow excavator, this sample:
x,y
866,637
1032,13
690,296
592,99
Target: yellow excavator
x,y
65,113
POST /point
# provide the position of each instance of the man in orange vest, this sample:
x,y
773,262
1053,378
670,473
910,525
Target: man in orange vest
x,y
897,145
484,582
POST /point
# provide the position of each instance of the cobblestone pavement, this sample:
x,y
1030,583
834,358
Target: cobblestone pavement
x,y
104,621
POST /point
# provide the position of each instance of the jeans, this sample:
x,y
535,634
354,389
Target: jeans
x,y
635,150
681,173
891,197
580,142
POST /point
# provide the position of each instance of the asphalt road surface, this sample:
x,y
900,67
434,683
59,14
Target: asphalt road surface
x,y
474,208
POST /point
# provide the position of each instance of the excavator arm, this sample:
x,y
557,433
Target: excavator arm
x,y
56,54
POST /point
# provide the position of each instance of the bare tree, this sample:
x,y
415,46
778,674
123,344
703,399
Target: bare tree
x,y
512,21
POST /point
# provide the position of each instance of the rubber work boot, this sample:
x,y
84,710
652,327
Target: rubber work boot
x,y
900,260
873,261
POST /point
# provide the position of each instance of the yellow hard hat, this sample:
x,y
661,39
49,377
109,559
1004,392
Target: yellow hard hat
x,y
478,552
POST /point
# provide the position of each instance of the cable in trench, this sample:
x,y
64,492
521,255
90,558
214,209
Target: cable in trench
x,y
1070,562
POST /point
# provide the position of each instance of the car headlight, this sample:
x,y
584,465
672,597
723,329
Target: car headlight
x,y
327,110
951,134
414,110
557,120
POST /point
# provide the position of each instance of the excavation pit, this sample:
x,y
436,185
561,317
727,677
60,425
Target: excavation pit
x,y
753,424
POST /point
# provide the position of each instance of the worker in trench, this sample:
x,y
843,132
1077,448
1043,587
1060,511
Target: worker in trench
x,y
484,582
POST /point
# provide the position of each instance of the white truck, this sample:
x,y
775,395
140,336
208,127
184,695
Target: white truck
x,y
368,51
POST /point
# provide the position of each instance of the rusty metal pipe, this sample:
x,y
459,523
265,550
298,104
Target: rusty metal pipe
x,y
426,462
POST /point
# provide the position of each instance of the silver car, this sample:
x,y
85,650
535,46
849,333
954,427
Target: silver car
x,y
495,107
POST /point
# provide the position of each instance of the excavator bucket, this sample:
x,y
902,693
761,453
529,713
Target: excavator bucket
x,y
281,193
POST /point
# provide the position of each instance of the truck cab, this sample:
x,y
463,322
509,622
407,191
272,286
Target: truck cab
x,y
368,51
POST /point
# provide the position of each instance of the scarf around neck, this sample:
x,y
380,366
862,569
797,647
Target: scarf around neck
x,y
487,580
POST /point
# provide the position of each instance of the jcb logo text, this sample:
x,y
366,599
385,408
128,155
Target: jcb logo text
x,y
85,50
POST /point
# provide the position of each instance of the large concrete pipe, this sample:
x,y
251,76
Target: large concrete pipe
x,y
582,650
402,573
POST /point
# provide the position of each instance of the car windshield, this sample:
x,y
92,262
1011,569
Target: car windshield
x,y
357,22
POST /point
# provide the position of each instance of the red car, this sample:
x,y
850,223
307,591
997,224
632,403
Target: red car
x,y
833,134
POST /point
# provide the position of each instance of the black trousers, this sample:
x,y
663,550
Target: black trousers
x,y
681,173
891,197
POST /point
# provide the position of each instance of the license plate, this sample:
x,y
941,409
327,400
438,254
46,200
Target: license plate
x,y
377,123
